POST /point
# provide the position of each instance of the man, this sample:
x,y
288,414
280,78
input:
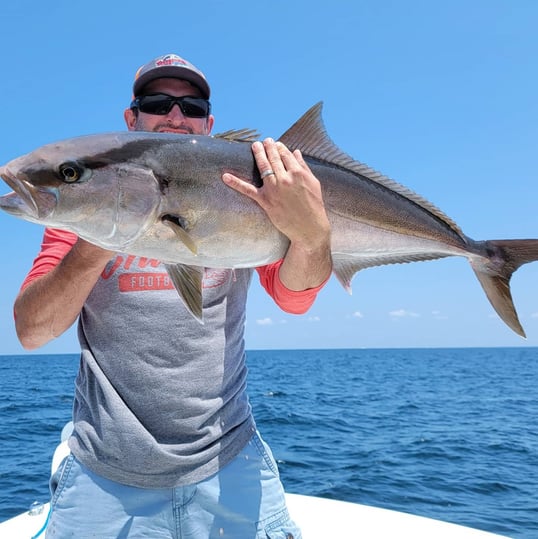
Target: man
x,y
164,443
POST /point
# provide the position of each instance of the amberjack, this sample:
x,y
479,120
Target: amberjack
x,y
161,196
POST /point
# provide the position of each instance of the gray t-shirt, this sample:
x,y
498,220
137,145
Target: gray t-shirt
x,y
160,400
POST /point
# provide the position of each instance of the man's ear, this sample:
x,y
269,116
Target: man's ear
x,y
130,119
209,124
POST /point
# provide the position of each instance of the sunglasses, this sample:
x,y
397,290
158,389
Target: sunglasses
x,y
161,104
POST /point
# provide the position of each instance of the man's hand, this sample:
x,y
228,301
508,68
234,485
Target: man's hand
x,y
291,196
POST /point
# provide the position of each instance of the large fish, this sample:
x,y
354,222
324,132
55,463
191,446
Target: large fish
x,y
161,196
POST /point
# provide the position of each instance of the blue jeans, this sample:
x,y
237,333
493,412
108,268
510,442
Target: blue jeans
x,y
244,500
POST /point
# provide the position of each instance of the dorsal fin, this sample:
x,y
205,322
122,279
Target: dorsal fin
x,y
308,135
239,135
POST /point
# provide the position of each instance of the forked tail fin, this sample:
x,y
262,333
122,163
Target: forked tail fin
x,y
504,257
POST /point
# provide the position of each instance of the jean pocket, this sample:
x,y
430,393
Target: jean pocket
x,y
59,478
265,453
280,526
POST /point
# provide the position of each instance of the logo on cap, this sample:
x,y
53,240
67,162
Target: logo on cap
x,y
170,60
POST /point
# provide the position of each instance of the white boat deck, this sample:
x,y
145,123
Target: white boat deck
x,y
322,518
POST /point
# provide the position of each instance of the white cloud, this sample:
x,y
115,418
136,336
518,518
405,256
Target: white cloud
x,y
269,321
358,314
402,313
438,315
314,319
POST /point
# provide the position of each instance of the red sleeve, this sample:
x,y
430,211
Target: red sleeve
x,y
290,301
55,245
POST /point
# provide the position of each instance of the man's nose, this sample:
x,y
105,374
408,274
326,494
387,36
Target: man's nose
x,y
175,112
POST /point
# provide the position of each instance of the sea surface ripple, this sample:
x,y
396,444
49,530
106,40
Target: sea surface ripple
x,y
450,434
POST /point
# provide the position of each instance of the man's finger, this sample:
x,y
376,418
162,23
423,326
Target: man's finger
x,y
273,155
241,186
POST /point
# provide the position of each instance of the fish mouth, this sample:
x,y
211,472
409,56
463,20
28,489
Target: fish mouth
x,y
23,200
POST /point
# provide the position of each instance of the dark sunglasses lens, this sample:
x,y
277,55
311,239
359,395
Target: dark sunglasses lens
x,y
195,107
155,104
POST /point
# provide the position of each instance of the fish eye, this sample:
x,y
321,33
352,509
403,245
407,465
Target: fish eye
x,y
71,172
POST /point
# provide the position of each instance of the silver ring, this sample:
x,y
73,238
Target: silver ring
x,y
266,173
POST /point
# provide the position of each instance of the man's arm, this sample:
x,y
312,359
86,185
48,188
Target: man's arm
x,y
292,199
49,305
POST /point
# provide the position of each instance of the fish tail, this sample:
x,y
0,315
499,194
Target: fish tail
x,y
494,271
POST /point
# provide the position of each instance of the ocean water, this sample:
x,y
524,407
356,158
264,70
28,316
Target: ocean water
x,y
445,433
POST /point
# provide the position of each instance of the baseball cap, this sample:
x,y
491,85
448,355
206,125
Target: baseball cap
x,y
172,66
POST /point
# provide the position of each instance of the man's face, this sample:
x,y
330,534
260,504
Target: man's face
x,y
175,121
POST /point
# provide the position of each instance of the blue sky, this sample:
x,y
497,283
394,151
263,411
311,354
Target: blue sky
x,y
441,96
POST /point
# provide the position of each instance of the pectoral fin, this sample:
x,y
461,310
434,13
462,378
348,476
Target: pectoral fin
x,y
188,283
177,225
